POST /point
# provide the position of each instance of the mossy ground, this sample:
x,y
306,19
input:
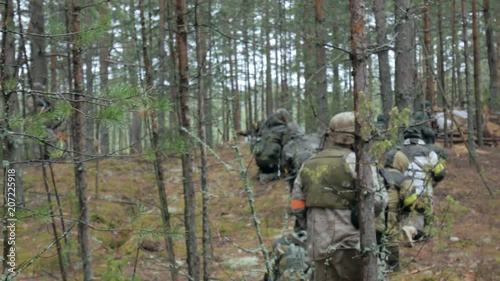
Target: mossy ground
x,y
127,208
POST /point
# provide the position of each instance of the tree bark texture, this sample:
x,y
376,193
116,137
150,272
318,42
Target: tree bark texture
x,y
477,77
405,55
428,52
384,69
362,145
187,161
320,77
156,145
494,101
269,80
79,146
468,94
205,188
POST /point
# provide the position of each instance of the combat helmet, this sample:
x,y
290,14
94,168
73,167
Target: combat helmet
x,y
414,131
341,128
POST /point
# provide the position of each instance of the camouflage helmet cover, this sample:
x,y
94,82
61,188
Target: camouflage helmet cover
x,y
341,128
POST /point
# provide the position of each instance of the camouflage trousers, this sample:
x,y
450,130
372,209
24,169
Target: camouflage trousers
x,y
343,265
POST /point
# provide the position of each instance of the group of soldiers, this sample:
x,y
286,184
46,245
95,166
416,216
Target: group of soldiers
x,y
324,202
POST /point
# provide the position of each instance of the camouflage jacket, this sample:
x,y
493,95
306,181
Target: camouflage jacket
x,y
331,229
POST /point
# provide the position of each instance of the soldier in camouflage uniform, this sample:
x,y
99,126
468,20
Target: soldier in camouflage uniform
x,y
323,196
272,136
425,169
401,196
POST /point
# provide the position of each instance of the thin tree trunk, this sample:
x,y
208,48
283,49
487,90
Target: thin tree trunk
x,y
235,93
89,106
62,264
368,240
162,61
428,53
135,130
477,77
442,79
405,56
248,96
468,94
205,188
285,100
384,69
105,46
298,97
320,75
156,146
308,53
173,75
79,147
458,97
187,161
269,82
8,149
494,101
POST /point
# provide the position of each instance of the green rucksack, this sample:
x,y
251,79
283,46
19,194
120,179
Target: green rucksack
x,y
268,148
291,262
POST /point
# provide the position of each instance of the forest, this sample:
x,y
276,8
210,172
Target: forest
x,y
122,126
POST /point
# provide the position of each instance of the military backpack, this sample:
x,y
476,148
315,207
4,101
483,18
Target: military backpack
x,y
268,148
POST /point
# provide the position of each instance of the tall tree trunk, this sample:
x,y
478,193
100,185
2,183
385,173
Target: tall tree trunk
x,y
104,49
247,8
285,101
468,94
405,55
205,188
156,146
442,79
308,53
428,52
362,145
89,106
458,97
162,62
494,101
321,89
135,131
38,71
269,82
477,77
79,146
384,69
298,97
187,161
9,150
235,92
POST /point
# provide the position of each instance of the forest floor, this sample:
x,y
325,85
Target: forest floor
x,y
125,214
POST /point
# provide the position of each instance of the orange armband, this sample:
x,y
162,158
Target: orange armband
x,y
298,204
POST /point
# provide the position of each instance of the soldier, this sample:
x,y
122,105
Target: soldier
x,y
425,169
401,196
422,120
323,198
290,260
